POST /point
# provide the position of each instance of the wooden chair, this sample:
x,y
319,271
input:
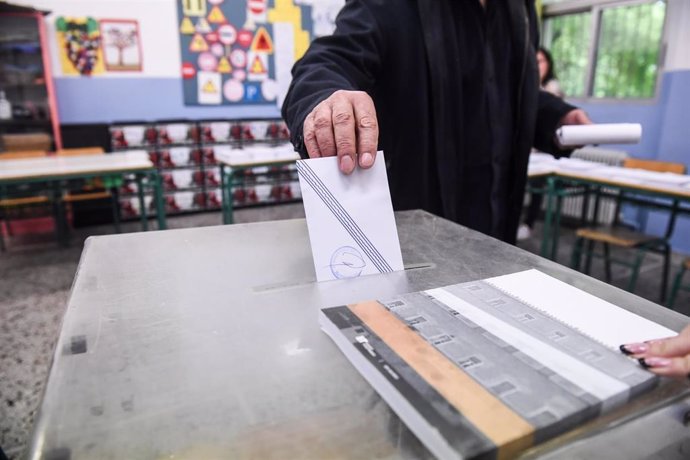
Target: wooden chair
x,y
71,197
677,284
21,155
94,191
80,151
624,237
15,203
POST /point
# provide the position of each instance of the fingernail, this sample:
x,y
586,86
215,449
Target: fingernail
x,y
634,348
346,164
654,362
366,159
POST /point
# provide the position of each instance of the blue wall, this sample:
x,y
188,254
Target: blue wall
x,y
108,100
665,136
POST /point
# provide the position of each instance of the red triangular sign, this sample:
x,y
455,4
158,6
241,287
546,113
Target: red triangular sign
x,y
262,41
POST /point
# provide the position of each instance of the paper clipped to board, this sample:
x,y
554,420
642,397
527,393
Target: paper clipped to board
x,y
603,133
350,219
489,368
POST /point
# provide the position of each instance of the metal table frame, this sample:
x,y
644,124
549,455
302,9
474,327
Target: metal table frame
x,y
229,177
57,184
555,188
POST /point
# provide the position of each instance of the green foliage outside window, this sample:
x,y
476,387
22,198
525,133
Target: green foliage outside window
x,y
627,55
568,38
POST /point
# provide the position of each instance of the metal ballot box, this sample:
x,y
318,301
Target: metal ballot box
x,y
204,343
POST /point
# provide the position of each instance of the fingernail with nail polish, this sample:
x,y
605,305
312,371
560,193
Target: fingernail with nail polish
x,y
654,362
346,164
634,348
366,159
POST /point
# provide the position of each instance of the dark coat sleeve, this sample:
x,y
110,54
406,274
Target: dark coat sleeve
x,y
550,110
349,59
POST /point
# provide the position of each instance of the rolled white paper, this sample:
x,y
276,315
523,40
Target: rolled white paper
x,y
604,133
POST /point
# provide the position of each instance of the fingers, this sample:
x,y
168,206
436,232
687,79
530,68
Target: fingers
x,y
345,125
367,130
575,117
582,118
670,347
344,133
668,357
309,135
323,129
669,367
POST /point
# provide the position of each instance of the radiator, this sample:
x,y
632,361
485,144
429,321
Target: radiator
x,y
572,206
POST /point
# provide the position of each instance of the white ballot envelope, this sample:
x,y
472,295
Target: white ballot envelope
x,y
602,133
350,219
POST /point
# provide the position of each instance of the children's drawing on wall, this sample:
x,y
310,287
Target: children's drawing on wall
x,y
79,45
121,45
246,48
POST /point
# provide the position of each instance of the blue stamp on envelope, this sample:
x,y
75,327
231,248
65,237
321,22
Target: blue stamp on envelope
x,y
347,262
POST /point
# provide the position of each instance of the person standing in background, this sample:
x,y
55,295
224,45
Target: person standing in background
x,y
549,83
547,76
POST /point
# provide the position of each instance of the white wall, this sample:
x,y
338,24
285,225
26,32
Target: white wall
x,y
157,28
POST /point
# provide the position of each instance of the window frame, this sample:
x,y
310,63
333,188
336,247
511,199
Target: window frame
x,y
596,9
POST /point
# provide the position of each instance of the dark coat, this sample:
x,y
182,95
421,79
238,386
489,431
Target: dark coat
x,y
398,52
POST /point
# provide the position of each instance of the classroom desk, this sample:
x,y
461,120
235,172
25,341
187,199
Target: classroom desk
x,y
236,161
56,170
562,173
205,344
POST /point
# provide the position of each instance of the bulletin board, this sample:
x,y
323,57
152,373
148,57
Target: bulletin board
x,y
242,51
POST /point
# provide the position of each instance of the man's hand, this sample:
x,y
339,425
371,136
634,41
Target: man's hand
x,y
345,124
575,117
670,357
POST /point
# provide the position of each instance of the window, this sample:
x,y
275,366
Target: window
x,y
605,49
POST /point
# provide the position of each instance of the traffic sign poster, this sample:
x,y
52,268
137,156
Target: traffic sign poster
x,y
230,52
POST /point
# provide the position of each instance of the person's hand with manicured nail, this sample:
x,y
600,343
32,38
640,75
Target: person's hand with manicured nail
x,y
669,357
345,125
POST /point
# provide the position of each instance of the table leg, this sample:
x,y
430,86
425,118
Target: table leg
x,y
585,206
59,212
116,209
664,276
3,217
230,177
548,218
588,259
556,228
142,203
158,196
223,197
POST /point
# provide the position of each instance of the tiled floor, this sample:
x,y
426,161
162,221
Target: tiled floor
x,y
36,275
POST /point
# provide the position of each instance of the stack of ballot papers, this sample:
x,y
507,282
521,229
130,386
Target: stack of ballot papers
x,y
540,163
491,367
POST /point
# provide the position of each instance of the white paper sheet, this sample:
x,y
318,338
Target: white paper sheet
x,y
602,133
350,219
602,321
